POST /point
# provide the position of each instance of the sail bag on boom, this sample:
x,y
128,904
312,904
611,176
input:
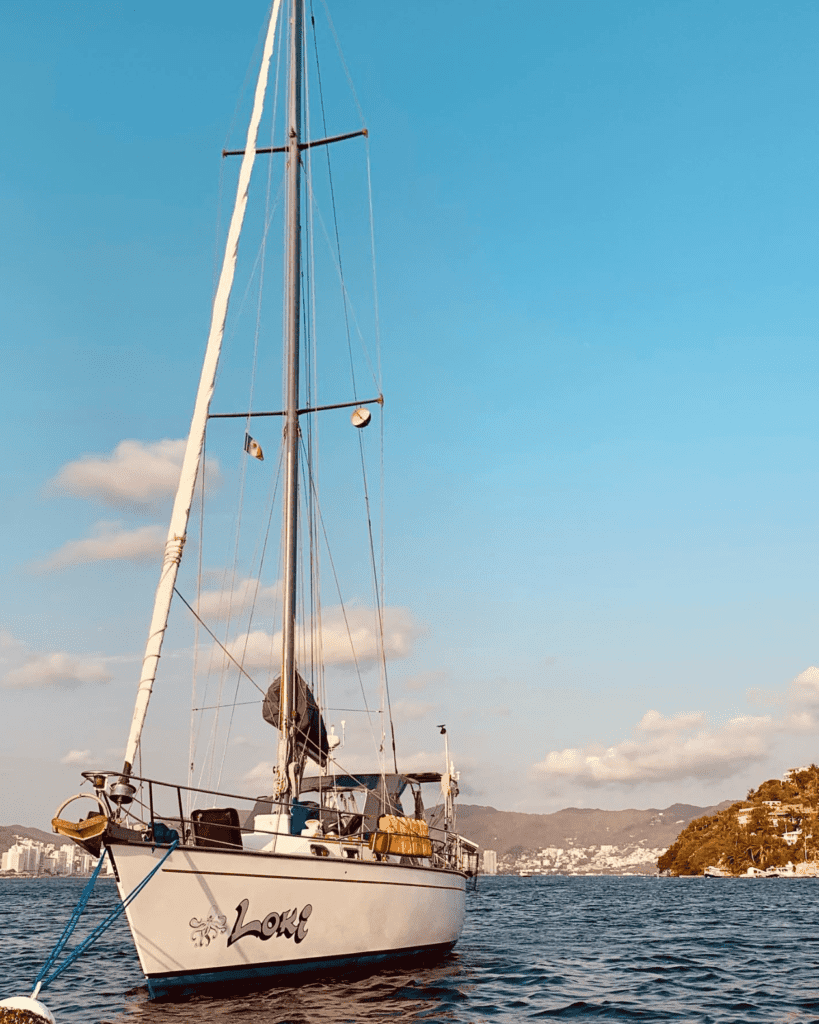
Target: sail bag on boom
x,y
311,735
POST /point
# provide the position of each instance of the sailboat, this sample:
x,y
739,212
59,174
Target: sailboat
x,y
327,870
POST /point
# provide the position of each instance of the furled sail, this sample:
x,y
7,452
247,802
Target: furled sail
x,y
311,735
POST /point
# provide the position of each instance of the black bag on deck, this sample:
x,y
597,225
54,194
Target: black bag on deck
x,y
217,828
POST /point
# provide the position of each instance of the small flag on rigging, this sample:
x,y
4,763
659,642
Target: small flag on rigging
x,y
253,448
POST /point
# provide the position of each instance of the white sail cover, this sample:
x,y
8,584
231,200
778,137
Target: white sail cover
x,y
177,530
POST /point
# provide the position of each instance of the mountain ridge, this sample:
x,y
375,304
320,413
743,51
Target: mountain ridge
x,y
8,832
512,831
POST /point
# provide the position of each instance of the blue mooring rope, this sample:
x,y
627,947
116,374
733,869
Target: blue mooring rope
x,y
72,924
41,980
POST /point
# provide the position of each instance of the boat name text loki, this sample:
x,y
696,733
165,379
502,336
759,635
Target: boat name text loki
x,y
288,923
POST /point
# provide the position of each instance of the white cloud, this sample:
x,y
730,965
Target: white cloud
x,y
802,702
76,757
759,697
135,475
684,746
654,724
666,749
110,541
21,669
359,633
423,761
803,692
243,741
262,774
410,711
424,680
229,602
338,642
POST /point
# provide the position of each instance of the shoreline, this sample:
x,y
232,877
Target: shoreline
x,y
21,876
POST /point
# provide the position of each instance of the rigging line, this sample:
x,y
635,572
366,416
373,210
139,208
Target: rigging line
x,y
261,265
193,447
235,704
311,449
379,600
268,221
375,278
258,267
320,519
357,711
310,461
316,645
235,320
333,203
218,641
304,289
237,537
250,617
382,506
309,593
378,603
193,737
308,637
317,633
252,64
275,108
344,63
349,300
218,229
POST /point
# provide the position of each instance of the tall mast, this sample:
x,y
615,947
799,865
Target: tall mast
x,y
291,423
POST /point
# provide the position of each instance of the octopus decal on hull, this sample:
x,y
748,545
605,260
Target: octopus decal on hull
x,y
208,928
289,924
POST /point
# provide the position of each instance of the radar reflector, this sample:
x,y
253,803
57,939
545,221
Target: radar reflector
x,y
361,417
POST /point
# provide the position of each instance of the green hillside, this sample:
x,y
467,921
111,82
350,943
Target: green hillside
x,y
752,833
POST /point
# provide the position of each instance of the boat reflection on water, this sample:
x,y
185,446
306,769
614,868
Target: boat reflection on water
x,y
417,991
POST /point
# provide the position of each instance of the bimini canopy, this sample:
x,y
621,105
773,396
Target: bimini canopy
x,y
395,783
383,793
311,735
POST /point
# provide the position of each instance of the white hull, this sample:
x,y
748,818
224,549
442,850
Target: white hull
x,y
212,916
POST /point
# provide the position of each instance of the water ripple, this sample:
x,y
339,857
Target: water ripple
x,y
575,949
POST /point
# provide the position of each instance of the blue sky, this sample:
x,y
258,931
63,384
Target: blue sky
x,y
595,226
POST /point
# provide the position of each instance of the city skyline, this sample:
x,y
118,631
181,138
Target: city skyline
x,y
35,857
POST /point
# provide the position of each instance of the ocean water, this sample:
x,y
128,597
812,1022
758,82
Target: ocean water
x,y
533,949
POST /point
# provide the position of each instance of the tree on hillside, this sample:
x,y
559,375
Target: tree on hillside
x,y
775,789
703,842
720,840
807,785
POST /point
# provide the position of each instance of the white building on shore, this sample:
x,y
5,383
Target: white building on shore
x,y
33,857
